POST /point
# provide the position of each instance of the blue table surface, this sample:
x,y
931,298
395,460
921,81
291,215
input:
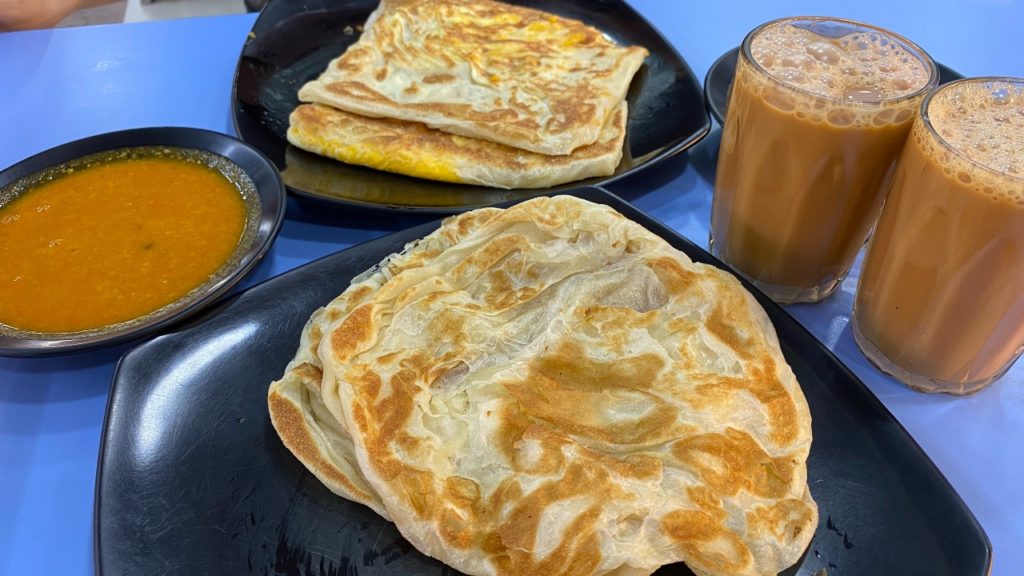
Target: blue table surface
x,y
60,85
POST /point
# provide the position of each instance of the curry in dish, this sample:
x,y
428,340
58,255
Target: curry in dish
x,y
114,239
552,389
473,91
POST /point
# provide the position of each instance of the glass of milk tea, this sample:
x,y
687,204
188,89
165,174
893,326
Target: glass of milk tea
x,y
818,113
940,303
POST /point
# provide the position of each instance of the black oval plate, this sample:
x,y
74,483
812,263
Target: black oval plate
x,y
269,190
293,41
719,79
193,479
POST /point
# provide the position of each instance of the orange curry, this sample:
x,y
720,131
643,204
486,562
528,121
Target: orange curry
x,y
114,241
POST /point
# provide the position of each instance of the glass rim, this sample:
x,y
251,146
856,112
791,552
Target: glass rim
x,y
917,51
927,122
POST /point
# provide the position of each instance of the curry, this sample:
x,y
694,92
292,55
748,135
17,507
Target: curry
x,y
113,241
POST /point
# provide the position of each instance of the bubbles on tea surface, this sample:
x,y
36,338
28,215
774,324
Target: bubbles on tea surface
x,y
764,56
907,84
858,45
861,66
884,117
1002,97
779,99
791,76
798,61
983,120
862,94
841,116
824,52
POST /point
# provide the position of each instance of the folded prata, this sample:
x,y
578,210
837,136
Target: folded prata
x,y
483,69
414,150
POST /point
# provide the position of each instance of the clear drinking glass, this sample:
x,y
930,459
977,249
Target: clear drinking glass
x,y
818,113
940,304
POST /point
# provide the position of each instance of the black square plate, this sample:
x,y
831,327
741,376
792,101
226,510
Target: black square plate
x,y
293,41
194,480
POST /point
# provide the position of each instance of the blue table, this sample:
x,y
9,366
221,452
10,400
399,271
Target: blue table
x,y
61,85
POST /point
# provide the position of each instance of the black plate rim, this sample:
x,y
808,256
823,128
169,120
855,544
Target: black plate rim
x,y
597,194
272,199
946,74
389,208
713,109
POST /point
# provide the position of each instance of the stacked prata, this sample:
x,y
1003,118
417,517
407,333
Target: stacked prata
x,y
472,91
553,389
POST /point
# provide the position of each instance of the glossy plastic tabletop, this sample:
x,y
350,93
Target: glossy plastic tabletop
x,y
60,85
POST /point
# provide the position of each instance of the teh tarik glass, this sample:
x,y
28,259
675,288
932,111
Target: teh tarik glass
x,y
940,304
818,114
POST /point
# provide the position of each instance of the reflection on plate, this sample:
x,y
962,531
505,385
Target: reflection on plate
x,y
192,474
293,40
719,80
262,191
321,178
